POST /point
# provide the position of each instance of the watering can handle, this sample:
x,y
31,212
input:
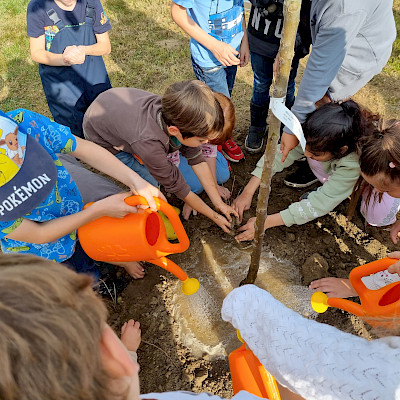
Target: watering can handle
x,y
173,218
368,269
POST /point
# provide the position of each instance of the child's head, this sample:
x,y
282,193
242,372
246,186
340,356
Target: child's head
x,y
228,110
191,109
332,131
54,340
380,157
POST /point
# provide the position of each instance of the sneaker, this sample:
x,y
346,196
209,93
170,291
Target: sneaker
x,y
232,151
219,148
303,177
254,141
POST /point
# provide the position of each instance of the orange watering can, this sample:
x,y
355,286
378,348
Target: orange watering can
x,y
138,237
249,374
378,307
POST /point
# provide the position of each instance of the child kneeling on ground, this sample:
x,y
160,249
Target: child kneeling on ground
x,y
142,128
379,188
332,133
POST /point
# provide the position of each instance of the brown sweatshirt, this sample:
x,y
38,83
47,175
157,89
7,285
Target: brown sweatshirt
x,y
130,120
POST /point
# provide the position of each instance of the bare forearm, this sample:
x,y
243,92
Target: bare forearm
x,y
208,182
48,58
97,49
101,159
251,186
273,220
198,204
48,231
182,19
212,163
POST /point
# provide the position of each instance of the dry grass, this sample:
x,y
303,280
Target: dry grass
x,y
149,51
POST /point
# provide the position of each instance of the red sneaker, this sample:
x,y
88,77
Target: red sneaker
x,y
232,151
219,148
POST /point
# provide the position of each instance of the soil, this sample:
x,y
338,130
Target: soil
x,y
336,244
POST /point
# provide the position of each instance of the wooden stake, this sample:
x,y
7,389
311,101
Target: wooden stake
x,y
291,12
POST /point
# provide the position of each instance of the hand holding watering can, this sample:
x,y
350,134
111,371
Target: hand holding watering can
x,y
378,307
138,237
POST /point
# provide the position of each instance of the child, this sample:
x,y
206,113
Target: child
x,y
264,32
68,39
215,160
41,204
58,324
218,45
142,128
349,48
331,134
380,166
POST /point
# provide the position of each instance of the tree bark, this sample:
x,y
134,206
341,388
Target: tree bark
x,y
291,12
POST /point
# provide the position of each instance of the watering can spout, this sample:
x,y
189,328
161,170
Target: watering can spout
x,y
138,237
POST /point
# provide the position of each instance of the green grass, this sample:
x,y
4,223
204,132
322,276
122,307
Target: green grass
x,y
148,51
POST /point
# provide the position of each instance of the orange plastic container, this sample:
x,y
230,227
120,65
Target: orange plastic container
x,y
378,307
249,374
138,237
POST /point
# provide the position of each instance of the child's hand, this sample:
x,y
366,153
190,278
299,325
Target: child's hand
x,y
227,211
334,287
148,191
394,233
247,231
244,52
131,335
187,211
394,268
222,222
288,143
223,192
114,206
74,55
225,54
241,204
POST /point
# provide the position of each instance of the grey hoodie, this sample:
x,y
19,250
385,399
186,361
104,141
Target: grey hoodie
x,y
352,42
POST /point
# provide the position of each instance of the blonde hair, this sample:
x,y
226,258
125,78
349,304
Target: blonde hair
x,y
51,325
192,107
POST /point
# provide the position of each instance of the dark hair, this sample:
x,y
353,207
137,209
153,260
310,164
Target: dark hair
x,y
332,126
192,107
229,118
379,153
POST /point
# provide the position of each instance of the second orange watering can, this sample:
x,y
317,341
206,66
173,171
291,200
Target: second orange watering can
x,y
249,374
138,237
378,307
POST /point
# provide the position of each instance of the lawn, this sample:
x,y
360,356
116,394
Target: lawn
x,y
149,51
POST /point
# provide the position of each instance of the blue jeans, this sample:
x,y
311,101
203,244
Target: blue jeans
x,y
191,178
263,74
219,78
130,161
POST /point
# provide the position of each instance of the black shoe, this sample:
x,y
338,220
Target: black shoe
x,y
254,141
301,178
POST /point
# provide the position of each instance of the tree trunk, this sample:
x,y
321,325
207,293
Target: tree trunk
x,y
286,52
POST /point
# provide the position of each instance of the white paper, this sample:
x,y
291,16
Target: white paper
x,y
277,105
